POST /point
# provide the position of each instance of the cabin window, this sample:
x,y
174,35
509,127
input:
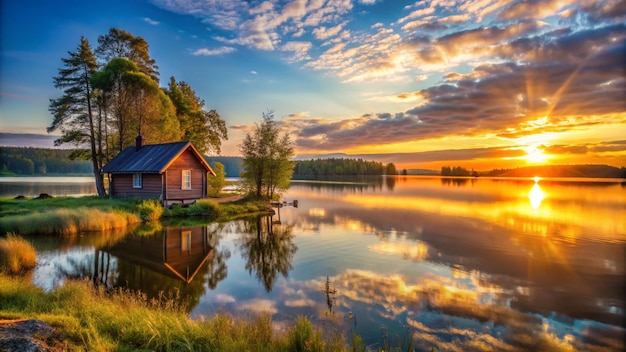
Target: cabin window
x,y
137,180
185,241
186,179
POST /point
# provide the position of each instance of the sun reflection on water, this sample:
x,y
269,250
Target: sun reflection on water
x,y
536,196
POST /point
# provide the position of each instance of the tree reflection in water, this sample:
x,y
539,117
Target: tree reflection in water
x,y
268,249
217,269
330,292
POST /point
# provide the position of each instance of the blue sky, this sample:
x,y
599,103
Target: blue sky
x,y
474,83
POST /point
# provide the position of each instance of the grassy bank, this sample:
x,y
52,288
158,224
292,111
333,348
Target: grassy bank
x,y
69,216
212,210
65,215
123,321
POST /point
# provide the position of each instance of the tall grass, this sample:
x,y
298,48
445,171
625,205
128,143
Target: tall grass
x,y
16,254
66,221
92,320
150,209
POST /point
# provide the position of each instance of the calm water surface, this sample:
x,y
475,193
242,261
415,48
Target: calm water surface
x,y
459,264
53,185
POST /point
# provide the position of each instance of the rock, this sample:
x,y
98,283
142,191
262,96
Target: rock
x,y
20,197
43,196
29,336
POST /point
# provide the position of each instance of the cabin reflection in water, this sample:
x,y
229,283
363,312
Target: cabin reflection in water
x,y
177,252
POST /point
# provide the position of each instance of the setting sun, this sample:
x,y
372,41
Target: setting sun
x,y
535,154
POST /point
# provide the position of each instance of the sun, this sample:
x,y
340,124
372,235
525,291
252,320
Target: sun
x,y
535,154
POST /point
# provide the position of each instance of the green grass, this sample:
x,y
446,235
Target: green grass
x,y
68,216
210,210
91,320
16,254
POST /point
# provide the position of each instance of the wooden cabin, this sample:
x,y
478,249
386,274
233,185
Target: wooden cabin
x,y
170,172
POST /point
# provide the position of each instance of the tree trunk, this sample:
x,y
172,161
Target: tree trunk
x,y
92,139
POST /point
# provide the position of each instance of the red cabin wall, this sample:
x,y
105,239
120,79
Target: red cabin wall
x,y
122,186
174,175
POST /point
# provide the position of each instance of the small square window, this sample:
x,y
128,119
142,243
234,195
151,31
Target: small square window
x,y
136,180
186,179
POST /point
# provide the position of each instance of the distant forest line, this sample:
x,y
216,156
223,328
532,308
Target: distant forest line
x,y
41,161
27,161
589,171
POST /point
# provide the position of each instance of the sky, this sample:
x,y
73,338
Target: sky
x,y
481,84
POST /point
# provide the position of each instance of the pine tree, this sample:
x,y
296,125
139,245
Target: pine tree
x,y
72,111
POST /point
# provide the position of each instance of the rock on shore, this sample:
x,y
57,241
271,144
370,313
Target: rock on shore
x,y
29,336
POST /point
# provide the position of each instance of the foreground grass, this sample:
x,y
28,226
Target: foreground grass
x,y
16,254
125,321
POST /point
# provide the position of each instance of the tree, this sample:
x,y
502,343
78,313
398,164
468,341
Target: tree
x,y
119,43
73,110
217,182
205,129
267,167
136,103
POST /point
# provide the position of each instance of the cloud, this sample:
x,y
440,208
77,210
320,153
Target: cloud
x,y
224,298
213,52
500,98
260,27
253,72
258,306
323,33
471,303
151,21
459,32
299,49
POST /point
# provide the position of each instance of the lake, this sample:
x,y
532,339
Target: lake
x,y
54,185
457,263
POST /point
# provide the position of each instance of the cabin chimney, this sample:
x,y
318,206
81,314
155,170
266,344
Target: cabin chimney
x,y
139,141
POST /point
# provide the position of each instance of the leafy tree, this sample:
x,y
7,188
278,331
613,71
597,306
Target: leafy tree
x,y
73,110
119,43
455,171
205,129
267,168
390,169
232,164
217,182
137,104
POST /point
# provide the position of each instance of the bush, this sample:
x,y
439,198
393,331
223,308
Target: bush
x,y
16,254
205,208
176,210
150,210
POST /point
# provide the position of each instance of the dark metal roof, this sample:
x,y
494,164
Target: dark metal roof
x,y
151,158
